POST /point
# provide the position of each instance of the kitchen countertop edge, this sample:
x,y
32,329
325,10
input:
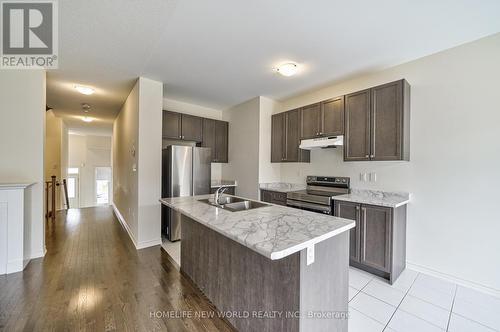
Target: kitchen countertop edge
x,y
273,255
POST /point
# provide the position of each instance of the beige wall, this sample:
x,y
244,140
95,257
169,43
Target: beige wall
x,y
243,148
125,178
22,126
64,156
137,162
453,223
53,151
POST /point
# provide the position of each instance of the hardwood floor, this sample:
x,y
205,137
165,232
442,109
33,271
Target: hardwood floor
x,y
92,278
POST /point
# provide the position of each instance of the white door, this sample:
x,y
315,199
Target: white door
x,y
73,184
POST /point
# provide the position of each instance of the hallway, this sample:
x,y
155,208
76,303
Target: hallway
x,y
92,278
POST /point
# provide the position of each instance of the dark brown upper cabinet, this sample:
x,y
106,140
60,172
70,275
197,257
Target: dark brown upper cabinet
x,y
310,122
191,127
322,119
171,125
215,137
357,126
377,123
285,139
221,141
182,126
332,117
391,121
278,138
209,136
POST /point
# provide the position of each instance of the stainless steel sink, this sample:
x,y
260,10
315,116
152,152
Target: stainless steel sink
x,y
222,200
244,205
229,199
234,204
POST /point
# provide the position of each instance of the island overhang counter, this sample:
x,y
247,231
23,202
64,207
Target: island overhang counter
x,y
271,268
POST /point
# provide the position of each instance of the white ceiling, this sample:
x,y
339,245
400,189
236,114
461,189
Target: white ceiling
x,y
219,53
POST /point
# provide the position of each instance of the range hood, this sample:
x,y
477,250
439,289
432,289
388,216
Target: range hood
x,y
322,142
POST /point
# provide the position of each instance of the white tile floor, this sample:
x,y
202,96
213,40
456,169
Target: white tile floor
x,y
416,302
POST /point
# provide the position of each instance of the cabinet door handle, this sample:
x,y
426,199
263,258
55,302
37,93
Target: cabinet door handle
x,y
367,156
372,156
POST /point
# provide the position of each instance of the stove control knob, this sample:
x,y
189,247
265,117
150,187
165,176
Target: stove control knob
x,y
344,181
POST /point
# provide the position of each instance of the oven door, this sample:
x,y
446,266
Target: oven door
x,y
325,209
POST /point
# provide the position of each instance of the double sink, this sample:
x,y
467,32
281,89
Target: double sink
x,y
234,204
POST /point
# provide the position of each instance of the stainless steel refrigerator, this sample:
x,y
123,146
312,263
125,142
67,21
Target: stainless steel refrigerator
x,y
186,171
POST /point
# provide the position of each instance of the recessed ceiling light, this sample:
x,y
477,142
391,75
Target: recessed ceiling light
x,y
87,119
287,69
84,89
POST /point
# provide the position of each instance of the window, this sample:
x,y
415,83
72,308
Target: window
x,y
73,170
71,187
102,185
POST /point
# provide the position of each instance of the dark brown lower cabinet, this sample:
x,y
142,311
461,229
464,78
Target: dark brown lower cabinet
x,y
378,242
273,197
351,211
376,237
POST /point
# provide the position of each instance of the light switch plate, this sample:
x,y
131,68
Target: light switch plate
x,y
373,177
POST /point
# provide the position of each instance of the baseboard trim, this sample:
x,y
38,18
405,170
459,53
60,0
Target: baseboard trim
x,y
124,224
16,265
453,279
147,244
39,254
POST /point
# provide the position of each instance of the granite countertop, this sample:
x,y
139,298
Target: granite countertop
x,y
225,183
282,186
273,231
375,197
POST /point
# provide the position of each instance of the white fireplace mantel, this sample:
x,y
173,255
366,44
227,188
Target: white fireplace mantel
x,y
15,227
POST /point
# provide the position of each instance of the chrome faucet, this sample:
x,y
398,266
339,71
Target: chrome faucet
x,y
218,194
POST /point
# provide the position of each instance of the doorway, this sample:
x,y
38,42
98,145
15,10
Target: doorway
x,y
102,185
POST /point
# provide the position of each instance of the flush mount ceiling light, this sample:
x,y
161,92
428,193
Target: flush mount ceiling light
x,y
287,69
84,89
87,119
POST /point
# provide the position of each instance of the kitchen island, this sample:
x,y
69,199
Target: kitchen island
x,y
270,268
